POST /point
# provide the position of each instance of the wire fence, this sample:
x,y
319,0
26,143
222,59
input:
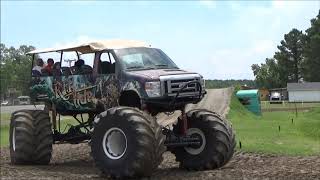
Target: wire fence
x,y
268,106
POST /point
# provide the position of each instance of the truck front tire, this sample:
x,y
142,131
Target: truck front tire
x,y
217,141
126,142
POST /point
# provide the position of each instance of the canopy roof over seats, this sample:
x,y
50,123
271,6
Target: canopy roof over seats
x,y
94,46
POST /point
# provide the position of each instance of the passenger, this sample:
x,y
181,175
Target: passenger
x,y
49,65
79,63
78,66
56,69
36,70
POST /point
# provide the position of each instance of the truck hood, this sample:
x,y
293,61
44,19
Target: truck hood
x,y
156,73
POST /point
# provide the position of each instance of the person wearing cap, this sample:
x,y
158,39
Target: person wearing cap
x,y
36,70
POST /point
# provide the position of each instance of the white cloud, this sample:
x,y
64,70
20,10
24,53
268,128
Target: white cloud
x,y
260,29
236,62
82,2
272,19
209,4
69,55
232,46
235,5
144,3
278,4
263,46
79,40
289,5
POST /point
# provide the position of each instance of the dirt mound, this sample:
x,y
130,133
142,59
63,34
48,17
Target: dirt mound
x,y
216,100
75,162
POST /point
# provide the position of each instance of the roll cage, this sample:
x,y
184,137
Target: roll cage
x,y
97,48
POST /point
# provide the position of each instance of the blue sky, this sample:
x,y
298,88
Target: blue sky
x,y
218,39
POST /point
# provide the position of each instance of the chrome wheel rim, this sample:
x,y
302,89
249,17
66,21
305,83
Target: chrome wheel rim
x,y
198,132
14,139
114,143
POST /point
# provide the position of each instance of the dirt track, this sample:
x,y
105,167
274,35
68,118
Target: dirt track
x,y
216,100
75,162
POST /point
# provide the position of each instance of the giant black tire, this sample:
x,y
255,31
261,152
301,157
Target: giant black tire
x,y
138,149
217,141
30,137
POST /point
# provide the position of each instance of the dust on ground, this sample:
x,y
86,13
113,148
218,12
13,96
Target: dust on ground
x,y
75,162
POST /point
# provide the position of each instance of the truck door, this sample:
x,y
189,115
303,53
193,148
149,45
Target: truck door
x,y
105,70
74,85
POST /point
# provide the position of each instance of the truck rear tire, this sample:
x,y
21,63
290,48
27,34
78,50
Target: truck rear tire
x,y
217,141
30,137
126,142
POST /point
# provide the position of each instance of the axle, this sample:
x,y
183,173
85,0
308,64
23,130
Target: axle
x,y
175,140
184,141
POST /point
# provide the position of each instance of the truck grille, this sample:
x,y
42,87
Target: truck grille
x,y
171,87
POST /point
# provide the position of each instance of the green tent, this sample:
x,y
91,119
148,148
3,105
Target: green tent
x,y
250,99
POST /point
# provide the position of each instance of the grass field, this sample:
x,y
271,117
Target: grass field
x,y
5,127
285,105
274,132
4,140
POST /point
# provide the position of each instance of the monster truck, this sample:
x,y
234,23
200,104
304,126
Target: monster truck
x,y
115,102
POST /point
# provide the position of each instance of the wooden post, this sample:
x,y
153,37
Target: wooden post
x,y
295,104
54,116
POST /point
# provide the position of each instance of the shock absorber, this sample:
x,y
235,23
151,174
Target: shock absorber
x,y
183,122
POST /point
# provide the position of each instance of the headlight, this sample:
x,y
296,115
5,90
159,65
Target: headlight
x,y
203,83
153,88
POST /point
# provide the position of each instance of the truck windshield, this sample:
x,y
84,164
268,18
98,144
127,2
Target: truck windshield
x,y
144,58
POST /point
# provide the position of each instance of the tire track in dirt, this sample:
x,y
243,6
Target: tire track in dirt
x,y
75,162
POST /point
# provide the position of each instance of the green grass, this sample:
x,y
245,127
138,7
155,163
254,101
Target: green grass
x,y
286,104
4,140
5,127
4,118
261,133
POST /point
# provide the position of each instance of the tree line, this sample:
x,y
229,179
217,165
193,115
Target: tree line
x,y
297,59
15,69
210,84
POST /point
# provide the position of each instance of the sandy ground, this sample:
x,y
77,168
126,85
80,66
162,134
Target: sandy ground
x,y
75,162
216,100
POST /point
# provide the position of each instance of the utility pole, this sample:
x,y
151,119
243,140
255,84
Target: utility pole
x,y
69,61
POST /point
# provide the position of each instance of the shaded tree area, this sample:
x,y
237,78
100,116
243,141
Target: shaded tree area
x,y
268,74
289,57
297,59
15,69
210,84
311,63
